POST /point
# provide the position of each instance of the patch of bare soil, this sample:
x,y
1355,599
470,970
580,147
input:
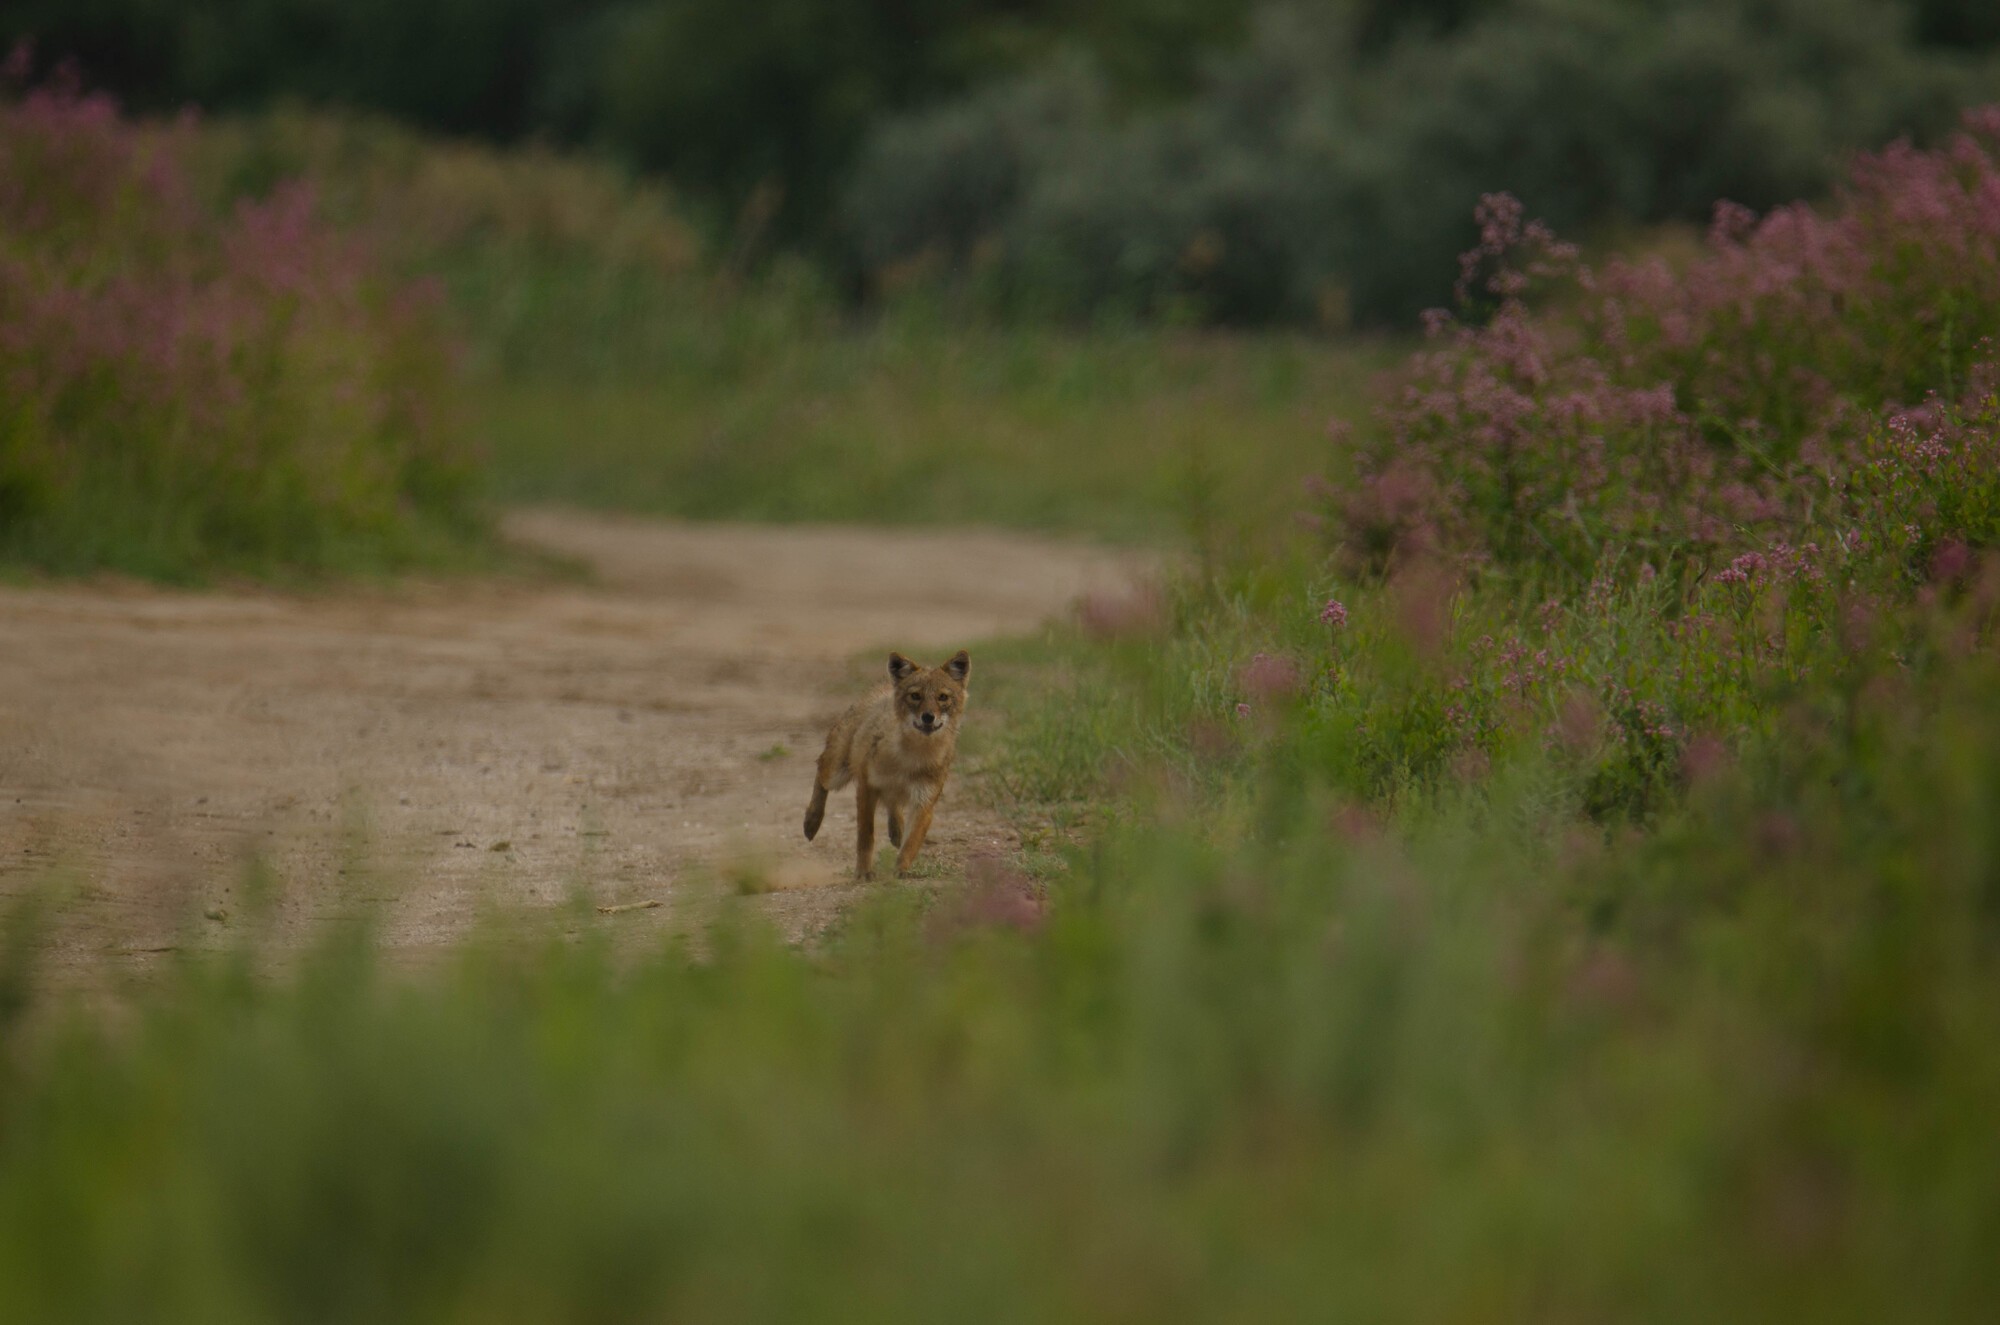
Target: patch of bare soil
x,y
436,751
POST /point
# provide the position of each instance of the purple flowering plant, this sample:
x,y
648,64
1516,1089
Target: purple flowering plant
x,y
1686,414
188,390
1634,513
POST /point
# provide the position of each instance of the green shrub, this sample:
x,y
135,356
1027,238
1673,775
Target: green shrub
x,y
1324,173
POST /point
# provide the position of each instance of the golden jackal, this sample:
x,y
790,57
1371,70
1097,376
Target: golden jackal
x,y
895,747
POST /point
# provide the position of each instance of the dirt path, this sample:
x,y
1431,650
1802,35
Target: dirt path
x,y
437,749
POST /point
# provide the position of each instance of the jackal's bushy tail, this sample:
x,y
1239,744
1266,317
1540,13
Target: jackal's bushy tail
x,y
815,811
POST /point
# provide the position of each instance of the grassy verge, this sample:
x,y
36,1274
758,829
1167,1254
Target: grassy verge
x,y
1139,436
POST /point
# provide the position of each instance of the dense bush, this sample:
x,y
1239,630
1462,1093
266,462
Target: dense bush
x,y
1042,199
187,392
1318,176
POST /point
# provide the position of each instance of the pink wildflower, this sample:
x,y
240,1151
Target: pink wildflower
x,y
1269,676
1741,570
1952,560
1334,613
1142,611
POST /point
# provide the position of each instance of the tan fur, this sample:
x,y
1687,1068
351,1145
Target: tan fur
x,y
881,745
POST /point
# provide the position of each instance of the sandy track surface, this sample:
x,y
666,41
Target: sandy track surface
x,y
435,750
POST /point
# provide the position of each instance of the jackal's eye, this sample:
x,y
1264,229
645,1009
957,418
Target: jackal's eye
x,y
915,698
944,700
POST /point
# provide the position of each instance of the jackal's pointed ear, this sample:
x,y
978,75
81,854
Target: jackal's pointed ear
x,y
959,666
900,667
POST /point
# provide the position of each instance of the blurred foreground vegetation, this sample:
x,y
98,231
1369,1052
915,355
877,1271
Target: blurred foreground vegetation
x,y
1560,885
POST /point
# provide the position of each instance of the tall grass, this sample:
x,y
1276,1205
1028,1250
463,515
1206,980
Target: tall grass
x,y
187,392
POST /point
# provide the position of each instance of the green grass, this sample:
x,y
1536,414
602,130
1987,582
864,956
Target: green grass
x,y
1138,436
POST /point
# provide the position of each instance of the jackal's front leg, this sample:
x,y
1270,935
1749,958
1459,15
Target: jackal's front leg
x,y
864,827
920,824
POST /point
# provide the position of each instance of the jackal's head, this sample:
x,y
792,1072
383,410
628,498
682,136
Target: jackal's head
x,y
930,698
